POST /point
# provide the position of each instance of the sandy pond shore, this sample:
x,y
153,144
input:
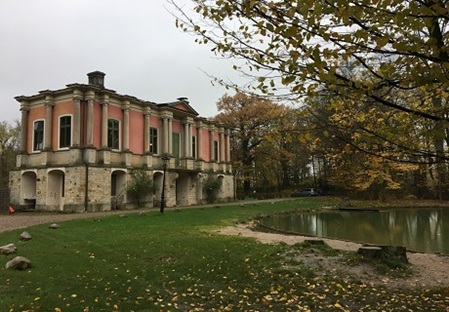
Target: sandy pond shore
x,y
428,270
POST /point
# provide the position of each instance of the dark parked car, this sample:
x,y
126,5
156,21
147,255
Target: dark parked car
x,y
309,192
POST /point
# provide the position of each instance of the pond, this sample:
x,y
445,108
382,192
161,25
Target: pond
x,y
425,230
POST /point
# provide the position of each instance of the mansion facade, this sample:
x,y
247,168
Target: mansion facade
x,y
80,145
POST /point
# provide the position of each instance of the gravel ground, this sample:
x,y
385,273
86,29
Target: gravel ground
x,y
22,220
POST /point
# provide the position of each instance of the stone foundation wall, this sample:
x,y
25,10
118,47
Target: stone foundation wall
x,y
4,199
75,184
181,189
192,195
99,185
14,187
41,191
227,189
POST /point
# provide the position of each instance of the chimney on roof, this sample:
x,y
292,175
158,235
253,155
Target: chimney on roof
x,y
183,99
96,78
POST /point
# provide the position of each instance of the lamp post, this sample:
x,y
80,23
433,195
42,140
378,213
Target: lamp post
x,y
165,160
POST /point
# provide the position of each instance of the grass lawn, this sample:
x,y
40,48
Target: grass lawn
x,y
175,262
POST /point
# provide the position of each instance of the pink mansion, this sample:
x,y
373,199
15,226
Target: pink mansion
x,y
81,143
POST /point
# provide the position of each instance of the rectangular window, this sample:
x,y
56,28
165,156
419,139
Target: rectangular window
x,y
215,150
38,135
194,146
153,140
65,131
113,134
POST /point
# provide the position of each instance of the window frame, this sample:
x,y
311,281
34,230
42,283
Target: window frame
x,y
193,146
36,150
216,150
153,148
60,132
110,145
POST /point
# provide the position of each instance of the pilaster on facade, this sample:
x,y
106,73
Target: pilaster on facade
x,y
21,161
104,156
77,98
24,109
199,165
228,146
75,156
45,158
170,188
127,158
49,104
186,144
104,122
170,136
199,127
222,145
90,155
211,144
126,108
165,135
146,130
188,135
90,98
90,152
104,153
147,161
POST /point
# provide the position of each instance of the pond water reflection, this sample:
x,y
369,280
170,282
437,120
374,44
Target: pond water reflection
x,y
417,229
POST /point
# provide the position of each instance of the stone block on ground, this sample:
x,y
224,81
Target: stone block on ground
x,y
371,252
18,263
397,253
314,241
25,236
8,249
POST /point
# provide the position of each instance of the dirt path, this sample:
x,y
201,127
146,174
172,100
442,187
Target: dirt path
x,y
23,220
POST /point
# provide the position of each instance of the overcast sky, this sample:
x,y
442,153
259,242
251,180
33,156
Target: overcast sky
x,y
47,44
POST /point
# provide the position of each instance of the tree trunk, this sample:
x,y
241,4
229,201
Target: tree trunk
x,y
285,177
246,187
440,159
396,253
